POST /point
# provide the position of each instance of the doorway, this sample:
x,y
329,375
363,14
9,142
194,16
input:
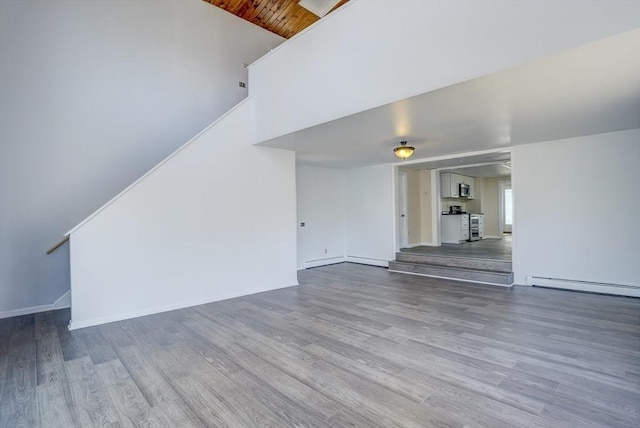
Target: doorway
x,y
443,232
506,207
424,204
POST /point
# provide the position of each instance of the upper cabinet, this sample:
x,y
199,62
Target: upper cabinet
x,y
472,185
450,185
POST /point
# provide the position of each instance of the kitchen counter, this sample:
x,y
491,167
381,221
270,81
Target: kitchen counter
x,y
455,228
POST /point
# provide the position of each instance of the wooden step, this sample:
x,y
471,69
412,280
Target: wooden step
x,y
463,274
455,262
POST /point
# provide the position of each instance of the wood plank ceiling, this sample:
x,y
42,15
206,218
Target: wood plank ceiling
x,y
283,17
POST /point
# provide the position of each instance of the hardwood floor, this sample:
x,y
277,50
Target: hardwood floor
x,y
352,346
489,248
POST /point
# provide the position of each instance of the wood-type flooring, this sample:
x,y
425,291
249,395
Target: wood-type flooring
x,y
494,249
351,346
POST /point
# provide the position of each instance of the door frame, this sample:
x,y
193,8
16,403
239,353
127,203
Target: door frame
x,y
436,206
402,215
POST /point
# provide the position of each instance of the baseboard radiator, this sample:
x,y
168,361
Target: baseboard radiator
x,y
591,287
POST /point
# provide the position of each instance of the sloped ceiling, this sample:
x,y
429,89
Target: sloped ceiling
x,y
286,18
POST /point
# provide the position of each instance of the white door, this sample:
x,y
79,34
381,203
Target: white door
x,y
403,221
506,206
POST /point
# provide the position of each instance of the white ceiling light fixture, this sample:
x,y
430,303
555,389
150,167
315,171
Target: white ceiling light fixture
x,y
403,151
319,7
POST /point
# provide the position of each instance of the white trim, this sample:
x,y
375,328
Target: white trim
x,y
592,287
453,279
318,10
502,186
367,261
473,165
301,33
452,156
436,202
26,311
158,309
492,237
514,227
323,262
152,170
394,207
62,302
421,244
402,208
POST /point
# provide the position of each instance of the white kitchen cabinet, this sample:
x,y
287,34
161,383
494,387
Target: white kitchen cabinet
x,y
455,228
472,185
450,185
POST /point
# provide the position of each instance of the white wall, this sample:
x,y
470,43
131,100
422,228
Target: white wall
x,y
426,209
491,207
321,204
94,94
579,219
348,212
370,214
305,82
217,220
475,205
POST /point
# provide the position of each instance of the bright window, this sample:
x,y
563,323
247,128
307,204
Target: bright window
x,y
508,207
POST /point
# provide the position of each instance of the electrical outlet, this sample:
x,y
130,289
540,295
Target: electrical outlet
x,y
302,224
242,84
325,251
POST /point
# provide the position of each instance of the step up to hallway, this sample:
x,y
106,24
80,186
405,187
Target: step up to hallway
x,y
455,261
489,271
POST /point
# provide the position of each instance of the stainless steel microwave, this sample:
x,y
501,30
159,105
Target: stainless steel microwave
x,y
465,190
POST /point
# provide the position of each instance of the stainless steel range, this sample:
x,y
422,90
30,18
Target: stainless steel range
x,y
476,227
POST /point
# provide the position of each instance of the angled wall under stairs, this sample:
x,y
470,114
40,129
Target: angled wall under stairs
x,y
213,221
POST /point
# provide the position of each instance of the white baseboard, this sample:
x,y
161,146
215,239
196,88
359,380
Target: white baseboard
x,y
491,237
417,244
591,287
62,302
349,259
323,262
367,261
421,244
158,309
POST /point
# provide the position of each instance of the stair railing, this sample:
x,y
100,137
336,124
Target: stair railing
x,y
58,245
